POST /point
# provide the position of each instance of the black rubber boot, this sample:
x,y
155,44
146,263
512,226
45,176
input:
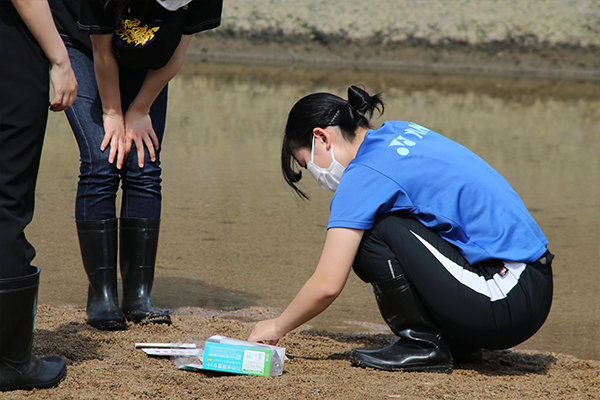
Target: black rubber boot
x,y
19,369
139,242
463,353
420,347
98,243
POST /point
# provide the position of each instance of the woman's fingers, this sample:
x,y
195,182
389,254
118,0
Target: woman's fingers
x,y
154,139
139,146
105,141
149,142
265,332
114,146
64,87
123,152
139,130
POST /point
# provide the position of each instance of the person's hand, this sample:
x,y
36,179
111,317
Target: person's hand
x,y
266,332
64,86
139,130
114,134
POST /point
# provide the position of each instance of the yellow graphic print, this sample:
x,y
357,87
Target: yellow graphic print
x,y
131,32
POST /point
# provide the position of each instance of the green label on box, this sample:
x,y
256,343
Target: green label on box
x,y
236,359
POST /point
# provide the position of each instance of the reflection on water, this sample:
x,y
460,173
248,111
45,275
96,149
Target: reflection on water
x,y
234,235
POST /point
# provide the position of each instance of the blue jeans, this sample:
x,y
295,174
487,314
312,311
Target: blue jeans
x,y
98,179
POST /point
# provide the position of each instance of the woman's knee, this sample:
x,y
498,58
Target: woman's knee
x,y
146,179
375,260
383,248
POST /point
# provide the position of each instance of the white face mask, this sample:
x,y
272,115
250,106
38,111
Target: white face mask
x,y
173,5
327,178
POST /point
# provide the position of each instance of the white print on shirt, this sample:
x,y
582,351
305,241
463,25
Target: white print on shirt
x,y
401,141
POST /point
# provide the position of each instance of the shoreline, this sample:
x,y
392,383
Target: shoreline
x,y
559,39
498,59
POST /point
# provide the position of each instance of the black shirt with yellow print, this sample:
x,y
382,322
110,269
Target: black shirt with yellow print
x,y
145,35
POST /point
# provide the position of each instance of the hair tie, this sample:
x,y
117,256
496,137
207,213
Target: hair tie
x,y
351,106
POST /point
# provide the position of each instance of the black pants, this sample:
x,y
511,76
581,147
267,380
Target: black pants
x,y
23,112
493,304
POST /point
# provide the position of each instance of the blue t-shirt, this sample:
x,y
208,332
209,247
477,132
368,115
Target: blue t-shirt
x,y
404,166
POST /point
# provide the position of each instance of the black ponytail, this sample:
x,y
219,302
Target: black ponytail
x,y
359,100
320,110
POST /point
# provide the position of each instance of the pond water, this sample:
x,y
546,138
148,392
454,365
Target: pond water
x,y
233,235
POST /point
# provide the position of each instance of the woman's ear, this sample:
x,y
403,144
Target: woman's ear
x,y
323,136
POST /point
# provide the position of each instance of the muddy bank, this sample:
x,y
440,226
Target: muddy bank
x,y
555,22
559,40
486,60
106,365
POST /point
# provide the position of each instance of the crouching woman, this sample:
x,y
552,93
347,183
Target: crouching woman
x,y
456,261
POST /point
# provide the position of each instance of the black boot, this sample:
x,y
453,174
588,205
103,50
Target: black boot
x,y
463,353
139,242
19,369
98,243
420,347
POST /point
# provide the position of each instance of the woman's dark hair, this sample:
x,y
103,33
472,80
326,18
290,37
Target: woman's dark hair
x,y
117,7
320,110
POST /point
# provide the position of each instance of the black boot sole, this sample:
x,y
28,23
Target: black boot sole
x,y
37,385
109,325
148,318
441,369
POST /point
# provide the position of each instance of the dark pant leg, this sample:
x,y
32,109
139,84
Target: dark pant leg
x,y
23,113
463,299
98,179
526,306
142,195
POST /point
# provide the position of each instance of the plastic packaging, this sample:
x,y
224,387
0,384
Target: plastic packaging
x,y
220,353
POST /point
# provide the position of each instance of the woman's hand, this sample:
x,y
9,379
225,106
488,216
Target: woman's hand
x,y
266,332
64,86
107,77
319,291
114,134
38,18
139,130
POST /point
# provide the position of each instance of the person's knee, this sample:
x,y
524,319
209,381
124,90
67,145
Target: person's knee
x,y
95,181
377,258
375,261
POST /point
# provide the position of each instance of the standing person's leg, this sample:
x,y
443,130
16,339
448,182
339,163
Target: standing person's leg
x,y
23,112
95,201
140,214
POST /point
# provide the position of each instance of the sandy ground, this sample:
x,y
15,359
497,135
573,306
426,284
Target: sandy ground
x,y
105,365
559,39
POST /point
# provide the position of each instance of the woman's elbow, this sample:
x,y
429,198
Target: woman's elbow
x,y
330,291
